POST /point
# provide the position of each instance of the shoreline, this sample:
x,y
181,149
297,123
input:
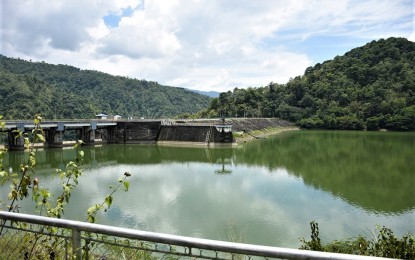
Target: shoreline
x,y
259,134
263,133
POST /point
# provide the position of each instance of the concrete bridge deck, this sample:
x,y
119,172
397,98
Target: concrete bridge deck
x,y
28,124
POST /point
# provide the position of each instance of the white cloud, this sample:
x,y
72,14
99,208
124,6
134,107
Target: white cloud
x,y
412,35
202,44
141,35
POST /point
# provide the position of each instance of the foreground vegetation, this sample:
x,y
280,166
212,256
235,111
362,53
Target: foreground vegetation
x,y
25,185
371,87
384,244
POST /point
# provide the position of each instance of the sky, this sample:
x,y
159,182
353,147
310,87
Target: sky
x,y
208,45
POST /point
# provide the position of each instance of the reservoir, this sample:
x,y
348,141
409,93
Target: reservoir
x,y
262,192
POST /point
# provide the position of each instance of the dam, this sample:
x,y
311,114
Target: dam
x,y
200,132
99,131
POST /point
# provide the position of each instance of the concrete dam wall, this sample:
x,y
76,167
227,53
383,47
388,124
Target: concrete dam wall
x,y
154,131
195,134
137,132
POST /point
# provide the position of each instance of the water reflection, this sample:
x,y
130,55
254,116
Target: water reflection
x,y
371,170
268,189
223,170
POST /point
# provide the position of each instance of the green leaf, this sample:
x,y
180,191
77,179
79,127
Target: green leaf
x,y
12,194
92,209
91,219
126,185
108,201
40,138
71,164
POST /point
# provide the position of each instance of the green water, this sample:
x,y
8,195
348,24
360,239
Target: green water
x,y
264,192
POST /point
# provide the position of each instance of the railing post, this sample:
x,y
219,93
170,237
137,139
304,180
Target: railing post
x,y
76,243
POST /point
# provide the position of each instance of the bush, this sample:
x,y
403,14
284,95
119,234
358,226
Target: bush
x,y
309,123
385,244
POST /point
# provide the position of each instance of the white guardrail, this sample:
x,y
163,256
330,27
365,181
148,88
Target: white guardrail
x,y
93,241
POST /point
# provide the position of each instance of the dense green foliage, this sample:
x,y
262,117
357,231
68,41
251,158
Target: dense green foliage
x,y
61,91
384,244
370,87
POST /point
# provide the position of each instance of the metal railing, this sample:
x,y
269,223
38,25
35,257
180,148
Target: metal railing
x,y
25,236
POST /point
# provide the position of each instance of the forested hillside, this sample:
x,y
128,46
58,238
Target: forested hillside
x,y
61,91
370,87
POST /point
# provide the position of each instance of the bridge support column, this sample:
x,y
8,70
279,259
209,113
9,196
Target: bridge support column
x,y
56,136
89,135
16,143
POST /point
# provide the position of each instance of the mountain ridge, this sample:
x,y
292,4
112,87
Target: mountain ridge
x,y
63,91
370,87
212,94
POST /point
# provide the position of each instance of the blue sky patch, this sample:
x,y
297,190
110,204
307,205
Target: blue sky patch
x,y
112,20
